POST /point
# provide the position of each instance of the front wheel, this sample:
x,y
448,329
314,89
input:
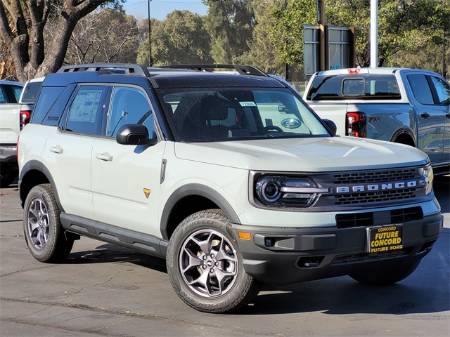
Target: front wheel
x,y
385,275
204,266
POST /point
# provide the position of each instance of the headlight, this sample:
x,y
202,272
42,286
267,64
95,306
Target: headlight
x,y
427,173
287,191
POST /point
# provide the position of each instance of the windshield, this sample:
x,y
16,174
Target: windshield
x,y
208,115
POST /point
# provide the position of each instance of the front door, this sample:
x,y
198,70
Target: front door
x,y
126,178
430,117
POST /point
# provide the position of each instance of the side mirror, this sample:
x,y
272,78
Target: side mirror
x,y
134,134
331,126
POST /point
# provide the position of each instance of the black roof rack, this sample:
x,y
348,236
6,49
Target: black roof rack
x,y
241,69
107,68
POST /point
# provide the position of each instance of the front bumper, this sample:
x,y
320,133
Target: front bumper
x,y
279,255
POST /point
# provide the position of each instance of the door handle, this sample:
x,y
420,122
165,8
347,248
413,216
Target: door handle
x,y
56,149
425,115
105,156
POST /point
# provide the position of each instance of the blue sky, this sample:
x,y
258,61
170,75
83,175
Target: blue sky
x,y
160,8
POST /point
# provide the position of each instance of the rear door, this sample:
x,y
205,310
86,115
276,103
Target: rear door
x,y
430,116
69,150
126,178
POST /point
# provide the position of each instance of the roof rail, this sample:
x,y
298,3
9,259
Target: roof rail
x,y
241,69
107,68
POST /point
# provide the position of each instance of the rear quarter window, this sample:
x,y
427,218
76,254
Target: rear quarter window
x,y
50,105
31,92
364,86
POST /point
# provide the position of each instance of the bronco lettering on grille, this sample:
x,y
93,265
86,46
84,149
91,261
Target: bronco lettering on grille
x,y
379,187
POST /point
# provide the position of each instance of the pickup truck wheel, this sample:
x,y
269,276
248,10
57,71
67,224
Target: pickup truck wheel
x,y
43,232
385,275
204,266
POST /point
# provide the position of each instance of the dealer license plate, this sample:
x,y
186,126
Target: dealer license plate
x,y
384,239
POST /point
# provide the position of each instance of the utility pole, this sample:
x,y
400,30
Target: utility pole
x,y
322,21
373,33
150,60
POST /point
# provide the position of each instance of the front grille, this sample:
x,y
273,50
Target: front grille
x,y
378,196
354,220
367,219
406,214
373,176
363,257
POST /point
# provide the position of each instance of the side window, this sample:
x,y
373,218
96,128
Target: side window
x,y
86,111
16,90
128,106
442,90
3,96
421,89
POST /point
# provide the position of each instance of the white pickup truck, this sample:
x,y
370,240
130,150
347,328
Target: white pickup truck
x,y
407,106
10,92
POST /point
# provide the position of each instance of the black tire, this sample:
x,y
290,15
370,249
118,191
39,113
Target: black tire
x,y
238,294
385,274
57,246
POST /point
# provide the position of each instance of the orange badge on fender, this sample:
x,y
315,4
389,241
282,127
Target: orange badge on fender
x,y
147,192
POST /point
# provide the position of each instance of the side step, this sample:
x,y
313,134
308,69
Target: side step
x,y
144,243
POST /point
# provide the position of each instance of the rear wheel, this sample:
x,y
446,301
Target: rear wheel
x,y
43,232
204,266
385,275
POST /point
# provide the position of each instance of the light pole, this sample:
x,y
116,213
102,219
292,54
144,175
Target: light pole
x,y
373,33
150,60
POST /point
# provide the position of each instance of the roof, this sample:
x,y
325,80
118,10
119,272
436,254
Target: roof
x,y
378,71
164,79
11,83
211,80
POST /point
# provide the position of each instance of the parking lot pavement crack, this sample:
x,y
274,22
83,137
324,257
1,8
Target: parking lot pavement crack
x,y
135,315
96,332
28,269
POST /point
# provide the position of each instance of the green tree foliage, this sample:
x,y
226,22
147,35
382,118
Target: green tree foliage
x,y
230,24
406,27
180,39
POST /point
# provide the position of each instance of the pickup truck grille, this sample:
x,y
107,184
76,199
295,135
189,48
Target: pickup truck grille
x,y
375,176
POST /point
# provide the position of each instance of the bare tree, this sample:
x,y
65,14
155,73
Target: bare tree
x,y
22,27
107,35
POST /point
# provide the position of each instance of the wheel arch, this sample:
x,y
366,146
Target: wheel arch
x,y
34,173
189,199
404,136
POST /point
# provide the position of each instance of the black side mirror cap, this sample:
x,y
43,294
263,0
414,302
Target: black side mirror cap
x,y
331,126
134,134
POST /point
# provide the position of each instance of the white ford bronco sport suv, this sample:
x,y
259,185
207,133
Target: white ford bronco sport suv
x,y
229,177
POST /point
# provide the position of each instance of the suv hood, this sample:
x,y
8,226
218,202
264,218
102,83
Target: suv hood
x,y
303,154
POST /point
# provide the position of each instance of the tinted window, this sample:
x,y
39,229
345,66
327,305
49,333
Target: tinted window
x,y
45,102
85,112
364,86
208,115
31,92
421,89
128,106
16,90
442,90
3,96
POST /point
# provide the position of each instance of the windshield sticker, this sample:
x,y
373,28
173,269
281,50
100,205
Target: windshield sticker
x,y
248,103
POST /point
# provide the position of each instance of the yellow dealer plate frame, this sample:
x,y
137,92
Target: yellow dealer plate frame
x,y
384,239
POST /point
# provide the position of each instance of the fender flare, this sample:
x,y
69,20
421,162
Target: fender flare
x,y
404,131
38,166
195,190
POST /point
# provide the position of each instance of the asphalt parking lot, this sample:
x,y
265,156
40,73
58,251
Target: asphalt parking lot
x,y
104,290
